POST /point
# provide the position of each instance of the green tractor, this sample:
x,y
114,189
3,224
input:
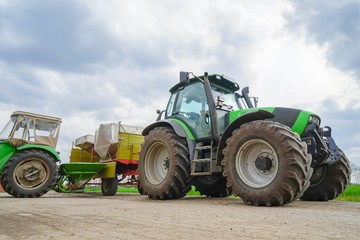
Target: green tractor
x,y
218,140
28,159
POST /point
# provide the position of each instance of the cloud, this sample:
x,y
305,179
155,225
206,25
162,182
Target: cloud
x,y
334,24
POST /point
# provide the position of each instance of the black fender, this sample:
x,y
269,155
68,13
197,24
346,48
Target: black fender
x,y
179,130
247,117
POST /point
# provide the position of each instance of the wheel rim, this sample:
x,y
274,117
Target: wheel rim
x,y
257,163
157,163
31,173
318,176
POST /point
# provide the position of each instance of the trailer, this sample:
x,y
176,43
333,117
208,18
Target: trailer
x,y
110,155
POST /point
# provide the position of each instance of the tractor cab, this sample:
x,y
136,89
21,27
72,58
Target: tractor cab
x,y
24,128
193,104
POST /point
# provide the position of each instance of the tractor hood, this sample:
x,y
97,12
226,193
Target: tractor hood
x,y
296,119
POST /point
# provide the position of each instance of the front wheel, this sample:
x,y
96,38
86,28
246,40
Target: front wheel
x,y
328,182
30,173
266,164
164,168
212,186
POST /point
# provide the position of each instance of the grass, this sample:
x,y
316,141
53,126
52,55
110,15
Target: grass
x,y
351,194
131,189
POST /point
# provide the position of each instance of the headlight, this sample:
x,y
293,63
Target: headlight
x,y
315,120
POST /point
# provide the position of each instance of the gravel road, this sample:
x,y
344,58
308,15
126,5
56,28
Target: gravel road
x,y
125,216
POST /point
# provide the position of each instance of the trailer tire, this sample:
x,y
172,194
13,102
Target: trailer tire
x,y
328,182
164,168
212,186
29,173
140,189
266,164
109,186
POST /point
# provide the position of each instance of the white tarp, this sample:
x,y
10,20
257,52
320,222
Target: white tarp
x,y
85,142
106,137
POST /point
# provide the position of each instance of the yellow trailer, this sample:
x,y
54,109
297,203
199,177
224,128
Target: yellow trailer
x,y
111,154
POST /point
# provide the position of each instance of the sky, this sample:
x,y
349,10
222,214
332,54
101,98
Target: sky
x,y
93,62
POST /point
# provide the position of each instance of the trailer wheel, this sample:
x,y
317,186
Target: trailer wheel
x,y
30,173
266,164
140,189
328,182
164,168
109,186
212,186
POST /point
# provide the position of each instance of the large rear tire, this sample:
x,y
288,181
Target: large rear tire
x,y
30,173
164,168
212,186
109,186
328,182
266,164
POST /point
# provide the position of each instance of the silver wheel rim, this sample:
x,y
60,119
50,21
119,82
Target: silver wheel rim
x,y
157,163
247,162
31,173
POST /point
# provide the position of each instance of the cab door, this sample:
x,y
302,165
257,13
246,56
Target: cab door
x,y
190,105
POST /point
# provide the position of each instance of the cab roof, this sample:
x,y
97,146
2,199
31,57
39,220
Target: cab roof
x,y
214,79
35,115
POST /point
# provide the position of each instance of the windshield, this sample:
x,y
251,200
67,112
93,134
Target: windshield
x,y
5,133
229,102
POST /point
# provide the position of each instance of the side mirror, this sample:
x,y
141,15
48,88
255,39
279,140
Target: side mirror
x,y
184,76
245,91
160,113
220,102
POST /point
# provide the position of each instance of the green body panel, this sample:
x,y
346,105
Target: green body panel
x,y
49,149
186,128
6,151
298,124
301,122
236,114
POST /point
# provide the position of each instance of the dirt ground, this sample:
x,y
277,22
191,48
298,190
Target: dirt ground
x,y
125,216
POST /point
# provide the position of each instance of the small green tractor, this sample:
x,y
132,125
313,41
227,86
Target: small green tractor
x,y
30,165
219,141
28,159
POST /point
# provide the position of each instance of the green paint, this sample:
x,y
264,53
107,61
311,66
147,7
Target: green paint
x,y
236,114
185,127
6,151
301,122
49,149
74,176
299,126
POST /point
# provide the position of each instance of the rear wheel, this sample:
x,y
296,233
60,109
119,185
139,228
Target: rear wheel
x,y
266,164
109,186
164,168
30,173
212,186
328,182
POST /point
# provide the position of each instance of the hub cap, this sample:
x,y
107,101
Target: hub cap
x,y
318,176
257,163
157,163
31,173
